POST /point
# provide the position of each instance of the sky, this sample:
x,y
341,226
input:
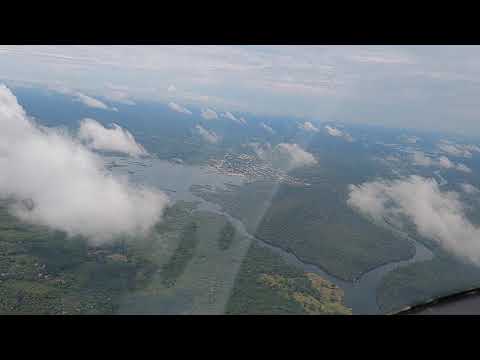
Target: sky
x,y
420,87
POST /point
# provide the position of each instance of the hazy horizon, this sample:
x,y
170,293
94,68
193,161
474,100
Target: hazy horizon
x,y
418,87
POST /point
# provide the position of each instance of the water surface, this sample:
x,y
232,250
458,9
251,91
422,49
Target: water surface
x,y
176,180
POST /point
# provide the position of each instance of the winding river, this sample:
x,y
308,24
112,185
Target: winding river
x,y
176,180
360,294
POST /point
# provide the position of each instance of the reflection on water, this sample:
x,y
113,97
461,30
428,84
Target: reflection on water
x,y
172,178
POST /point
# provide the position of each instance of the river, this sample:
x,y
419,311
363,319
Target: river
x,y
176,180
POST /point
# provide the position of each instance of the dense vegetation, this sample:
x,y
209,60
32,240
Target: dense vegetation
x,y
227,235
314,223
265,284
182,255
45,272
423,281
192,258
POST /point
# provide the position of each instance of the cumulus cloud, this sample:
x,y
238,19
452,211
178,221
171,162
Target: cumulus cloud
x,y
115,139
171,88
209,114
229,115
296,156
445,162
439,216
263,151
463,167
267,128
420,159
208,136
284,155
232,117
332,131
469,189
456,150
410,139
91,102
308,126
179,108
119,96
473,148
65,184
81,97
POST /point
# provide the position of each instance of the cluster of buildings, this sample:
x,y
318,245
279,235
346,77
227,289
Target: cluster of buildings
x,y
252,168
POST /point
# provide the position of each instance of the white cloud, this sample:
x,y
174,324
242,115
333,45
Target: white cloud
x,y
391,158
348,137
232,117
420,159
81,97
268,128
437,215
171,88
455,150
296,156
91,102
464,168
67,183
410,139
469,188
119,96
472,148
445,162
286,156
209,114
276,79
332,131
381,59
179,108
263,151
115,139
229,115
208,136
308,126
